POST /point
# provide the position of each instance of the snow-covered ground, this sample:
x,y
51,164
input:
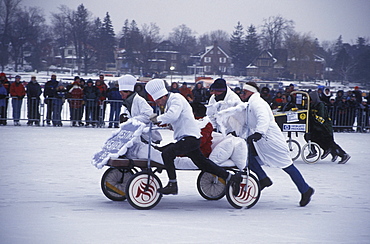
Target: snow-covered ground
x,y
50,193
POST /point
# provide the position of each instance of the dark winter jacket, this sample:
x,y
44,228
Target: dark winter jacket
x,y
200,94
50,88
113,94
3,94
91,95
33,90
319,121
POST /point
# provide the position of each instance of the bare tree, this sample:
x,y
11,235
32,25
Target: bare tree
x,y
183,36
301,54
8,9
151,37
274,30
207,39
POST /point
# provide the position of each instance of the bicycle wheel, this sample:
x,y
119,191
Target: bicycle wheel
x,y
307,149
249,194
113,183
211,187
142,195
294,149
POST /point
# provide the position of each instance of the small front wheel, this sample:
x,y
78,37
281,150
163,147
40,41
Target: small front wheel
x,y
294,149
142,190
113,183
211,187
311,152
249,192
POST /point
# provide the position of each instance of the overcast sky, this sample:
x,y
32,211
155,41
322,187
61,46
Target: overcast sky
x,y
324,19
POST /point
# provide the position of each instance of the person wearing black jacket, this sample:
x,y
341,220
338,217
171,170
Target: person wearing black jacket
x,y
321,131
33,101
49,94
91,98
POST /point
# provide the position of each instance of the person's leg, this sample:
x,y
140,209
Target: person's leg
x,y
305,190
297,178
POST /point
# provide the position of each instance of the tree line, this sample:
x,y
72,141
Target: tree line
x,y
25,37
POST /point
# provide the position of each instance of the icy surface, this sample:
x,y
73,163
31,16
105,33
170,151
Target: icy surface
x,y
50,193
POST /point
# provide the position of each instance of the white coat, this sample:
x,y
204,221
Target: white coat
x,y
140,109
179,114
272,148
231,100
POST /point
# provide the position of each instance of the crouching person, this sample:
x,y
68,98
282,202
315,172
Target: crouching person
x,y
178,113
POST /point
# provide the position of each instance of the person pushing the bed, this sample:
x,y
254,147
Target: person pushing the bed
x,y
178,113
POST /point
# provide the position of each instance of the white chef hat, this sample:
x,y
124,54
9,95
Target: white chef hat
x,y
126,83
156,88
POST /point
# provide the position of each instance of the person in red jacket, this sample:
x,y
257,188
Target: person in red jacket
x,y
103,88
75,99
186,92
17,92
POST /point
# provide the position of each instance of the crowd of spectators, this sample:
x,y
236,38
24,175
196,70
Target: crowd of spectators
x,y
88,101
347,109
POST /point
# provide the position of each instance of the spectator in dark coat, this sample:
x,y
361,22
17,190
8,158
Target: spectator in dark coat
x,y
6,84
49,94
201,96
33,101
60,96
3,95
115,101
363,116
91,98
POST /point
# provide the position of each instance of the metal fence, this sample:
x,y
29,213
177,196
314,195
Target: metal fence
x,y
92,113
61,112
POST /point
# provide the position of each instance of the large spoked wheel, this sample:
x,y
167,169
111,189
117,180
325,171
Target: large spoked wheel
x,y
294,149
113,183
141,193
310,148
249,193
211,187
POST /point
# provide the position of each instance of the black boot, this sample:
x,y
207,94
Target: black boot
x,y
236,180
326,153
171,188
265,182
306,197
344,159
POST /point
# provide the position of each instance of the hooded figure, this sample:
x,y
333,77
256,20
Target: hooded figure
x,y
321,130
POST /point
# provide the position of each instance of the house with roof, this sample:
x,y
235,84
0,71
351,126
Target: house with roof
x,y
168,57
306,67
273,65
212,61
269,66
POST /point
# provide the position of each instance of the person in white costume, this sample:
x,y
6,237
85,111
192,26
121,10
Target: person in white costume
x,y
178,113
266,140
136,105
222,98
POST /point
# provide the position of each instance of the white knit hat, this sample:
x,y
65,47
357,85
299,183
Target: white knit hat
x,y
126,83
156,88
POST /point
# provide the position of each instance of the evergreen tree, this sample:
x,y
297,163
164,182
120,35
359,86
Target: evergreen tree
x,y
108,40
252,47
237,49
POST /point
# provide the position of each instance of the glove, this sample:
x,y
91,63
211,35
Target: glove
x,y
153,118
254,137
123,118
